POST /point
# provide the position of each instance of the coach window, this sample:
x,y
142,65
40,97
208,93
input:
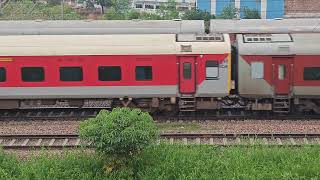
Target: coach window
x,y
71,74
257,70
143,73
109,73
186,70
311,73
32,74
282,72
212,70
3,76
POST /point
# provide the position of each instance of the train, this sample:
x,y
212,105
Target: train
x,y
165,66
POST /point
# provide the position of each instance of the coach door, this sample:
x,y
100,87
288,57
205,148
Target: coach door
x,y
187,78
282,74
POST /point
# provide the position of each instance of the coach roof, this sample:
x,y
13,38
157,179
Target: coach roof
x,y
124,44
96,27
265,26
301,44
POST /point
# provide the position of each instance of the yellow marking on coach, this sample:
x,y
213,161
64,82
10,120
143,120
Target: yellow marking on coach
x,y
229,73
6,59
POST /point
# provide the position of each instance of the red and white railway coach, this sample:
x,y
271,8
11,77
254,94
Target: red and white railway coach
x,y
280,71
152,71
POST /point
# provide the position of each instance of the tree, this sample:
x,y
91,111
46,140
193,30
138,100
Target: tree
x,y
229,12
251,14
168,10
134,14
103,3
197,14
120,6
53,2
119,135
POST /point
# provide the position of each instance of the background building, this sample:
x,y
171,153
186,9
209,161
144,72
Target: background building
x,y
268,9
302,9
151,5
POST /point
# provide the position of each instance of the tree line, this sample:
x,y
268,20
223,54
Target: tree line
x,y
112,10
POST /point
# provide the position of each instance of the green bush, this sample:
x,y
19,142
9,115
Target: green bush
x,y
119,135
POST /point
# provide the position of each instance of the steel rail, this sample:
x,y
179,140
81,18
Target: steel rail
x,y
73,141
79,114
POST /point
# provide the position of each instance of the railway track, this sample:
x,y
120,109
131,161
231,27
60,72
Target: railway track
x,y
73,140
78,114
48,113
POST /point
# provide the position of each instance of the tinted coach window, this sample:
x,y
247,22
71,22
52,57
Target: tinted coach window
x,y
3,76
32,74
143,73
71,74
311,73
109,73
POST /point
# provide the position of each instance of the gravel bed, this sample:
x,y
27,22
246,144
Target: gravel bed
x,y
39,127
264,126
246,126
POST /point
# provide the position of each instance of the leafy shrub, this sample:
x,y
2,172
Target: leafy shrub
x,y
119,135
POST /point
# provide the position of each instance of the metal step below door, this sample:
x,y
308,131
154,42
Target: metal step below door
x,y
187,103
281,104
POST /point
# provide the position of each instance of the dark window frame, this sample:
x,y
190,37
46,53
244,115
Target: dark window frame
x,y
103,70
139,6
316,77
25,77
3,74
65,79
148,77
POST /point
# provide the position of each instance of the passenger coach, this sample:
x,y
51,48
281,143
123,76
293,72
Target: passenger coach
x,y
280,71
169,69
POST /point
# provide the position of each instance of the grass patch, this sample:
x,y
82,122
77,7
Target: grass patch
x,y
178,126
176,162
70,165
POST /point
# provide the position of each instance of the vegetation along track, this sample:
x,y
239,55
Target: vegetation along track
x,y
73,141
77,114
